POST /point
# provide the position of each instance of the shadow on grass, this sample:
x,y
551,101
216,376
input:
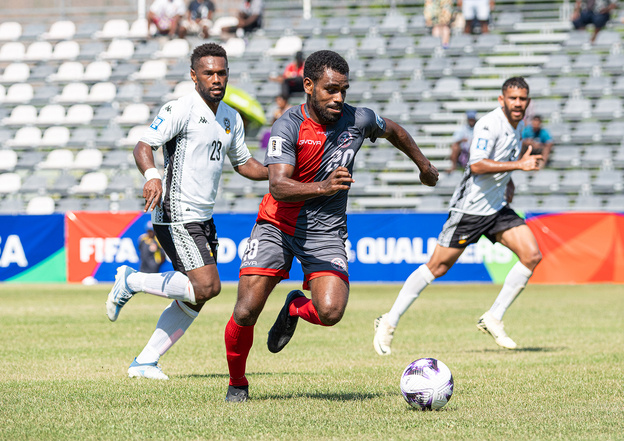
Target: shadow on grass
x,y
521,349
338,396
250,374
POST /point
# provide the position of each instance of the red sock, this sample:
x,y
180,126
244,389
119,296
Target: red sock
x,y
304,308
238,342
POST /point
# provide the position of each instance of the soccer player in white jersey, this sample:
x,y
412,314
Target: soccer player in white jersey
x,y
197,132
480,206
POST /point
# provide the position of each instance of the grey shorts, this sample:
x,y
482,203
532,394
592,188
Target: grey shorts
x,y
270,252
189,246
460,230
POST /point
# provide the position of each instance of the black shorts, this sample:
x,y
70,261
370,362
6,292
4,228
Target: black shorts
x,y
189,246
460,230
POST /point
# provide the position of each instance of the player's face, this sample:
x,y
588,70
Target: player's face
x,y
514,102
210,76
326,97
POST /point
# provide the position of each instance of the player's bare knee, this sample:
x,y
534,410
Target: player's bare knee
x,y
439,270
533,259
244,315
330,314
206,291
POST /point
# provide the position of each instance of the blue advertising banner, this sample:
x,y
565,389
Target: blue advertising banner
x,y
32,248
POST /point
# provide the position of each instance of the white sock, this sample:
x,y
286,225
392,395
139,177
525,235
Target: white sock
x,y
515,282
172,324
172,285
413,286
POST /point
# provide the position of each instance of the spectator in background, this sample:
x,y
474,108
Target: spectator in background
x,y
479,9
281,106
199,18
292,78
462,138
249,17
150,252
596,12
166,16
538,137
438,16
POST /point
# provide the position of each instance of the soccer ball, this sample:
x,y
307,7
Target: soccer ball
x,y
427,384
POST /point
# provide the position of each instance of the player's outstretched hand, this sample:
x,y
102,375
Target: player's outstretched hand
x,y
529,162
336,181
429,176
152,192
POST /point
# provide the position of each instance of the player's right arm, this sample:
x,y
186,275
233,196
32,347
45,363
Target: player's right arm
x,y
152,190
527,162
285,189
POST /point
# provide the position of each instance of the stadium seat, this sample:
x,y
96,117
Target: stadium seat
x,y
8,160
51,114
446,87
121,182
79,114
524,202
245,205
12,51
119,49
45,94
587,131
573,181
133,136
608,108
67,72
234,47
423,110
372,46
438,67
38,51
566,86
614,132
15,73
21,115
465,66
336,26
394,22
222,22
25,137
608,182
586,203
19,93
180,89
257,48
145,50
33,31
408,67
151,70
73,93
133,114
576,109
286,46
36,183
63,183
597,87
555,202
103,92
564,157
400,45
66,50
460,44
88,159
40,205
139,29
97,204
11,205
557,64
129,92
585,63
417,89
540,85
60,30
58,159
10,183
596,156
544,181
607,39
55,136
86,29
613,64
91,183
68,204
41,72
314,44
10,31
91,50
113,28
173,49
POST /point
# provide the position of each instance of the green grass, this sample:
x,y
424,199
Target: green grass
x,y
63,369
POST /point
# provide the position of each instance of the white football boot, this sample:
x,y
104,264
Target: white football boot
x,y
120,293
383,335
147,370
489,325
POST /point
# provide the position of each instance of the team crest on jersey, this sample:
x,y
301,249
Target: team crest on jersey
x,y
380,122
275,146
157,121
226,123
482,144
339,264
345,139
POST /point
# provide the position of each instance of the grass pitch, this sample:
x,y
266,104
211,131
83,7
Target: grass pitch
x,y
63,369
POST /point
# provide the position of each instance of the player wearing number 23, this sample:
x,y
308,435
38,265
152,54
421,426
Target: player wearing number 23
x,y
310,159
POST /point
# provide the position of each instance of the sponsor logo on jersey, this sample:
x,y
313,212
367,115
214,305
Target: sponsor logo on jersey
x,y
226,123
202,120
275,146
339,264
345,139
463,239
482,144
168,109
249,263
380,122
157,122
312,142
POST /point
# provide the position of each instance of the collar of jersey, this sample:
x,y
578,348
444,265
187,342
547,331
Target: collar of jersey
x,y
202,104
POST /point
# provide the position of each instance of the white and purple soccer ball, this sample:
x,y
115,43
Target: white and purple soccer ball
x,y
427,384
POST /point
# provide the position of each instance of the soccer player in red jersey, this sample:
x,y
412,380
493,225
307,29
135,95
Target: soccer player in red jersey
x,y
310,159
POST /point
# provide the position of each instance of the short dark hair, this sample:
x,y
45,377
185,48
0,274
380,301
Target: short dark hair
x,y
317,62
207,50
539,117
515,82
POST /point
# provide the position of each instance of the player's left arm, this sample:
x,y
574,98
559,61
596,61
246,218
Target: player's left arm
x,y
253,169
527,162
402,140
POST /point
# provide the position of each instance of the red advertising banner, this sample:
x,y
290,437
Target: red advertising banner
x,y
99,242
579,247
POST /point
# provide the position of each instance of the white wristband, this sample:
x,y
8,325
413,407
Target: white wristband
x,y
152,173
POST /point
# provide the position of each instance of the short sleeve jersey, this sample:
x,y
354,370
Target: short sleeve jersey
x,y
316,151
464,132
494,138
195,142
166,9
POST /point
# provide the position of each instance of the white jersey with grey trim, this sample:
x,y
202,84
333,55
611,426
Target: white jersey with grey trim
x,y
494,138
195,142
